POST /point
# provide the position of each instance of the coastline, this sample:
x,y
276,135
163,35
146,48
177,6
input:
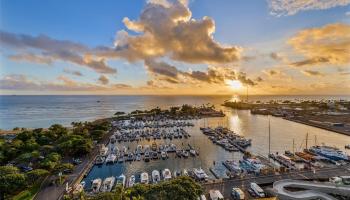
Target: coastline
x,y
317,126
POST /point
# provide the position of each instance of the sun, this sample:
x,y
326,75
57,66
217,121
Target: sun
x,y
234,84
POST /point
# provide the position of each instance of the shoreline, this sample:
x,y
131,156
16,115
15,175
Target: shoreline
x,y
317,126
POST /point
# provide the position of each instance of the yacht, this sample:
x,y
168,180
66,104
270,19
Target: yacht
x,y
132,180
155,176
96,184
166,174
99,160
107,184
154,155
121,159
121,180
329,152
184,172
193,152
164,155
147,156
103,150
139,149
200,174
110,158
144,178
178,153
138,157
176,173
154,146
185,154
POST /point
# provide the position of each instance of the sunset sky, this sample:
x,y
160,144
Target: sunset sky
x,y
175,47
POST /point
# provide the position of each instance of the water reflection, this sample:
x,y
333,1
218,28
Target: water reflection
x,y
253,127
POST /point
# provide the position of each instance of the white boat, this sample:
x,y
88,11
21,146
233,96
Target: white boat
x,y
184,172
164,155
155,176
200,174
144,178
132,180
107,184
96,184
121,180
139,149
166,174
193,152
111,158
185,154
103,150
138,157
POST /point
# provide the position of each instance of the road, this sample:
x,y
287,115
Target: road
x,y
226,186
312,190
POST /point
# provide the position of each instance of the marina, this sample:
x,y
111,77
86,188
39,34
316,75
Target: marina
x,y
149,161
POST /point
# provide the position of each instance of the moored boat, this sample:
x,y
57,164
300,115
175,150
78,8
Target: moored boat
x,y
132,180
166,174
121,180
200,174
96,184
144,178
155,176
107,184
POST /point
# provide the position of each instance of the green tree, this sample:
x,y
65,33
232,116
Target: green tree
x,y
11,180
36,174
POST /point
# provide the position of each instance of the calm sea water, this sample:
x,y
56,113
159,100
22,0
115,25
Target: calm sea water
x,y
42,111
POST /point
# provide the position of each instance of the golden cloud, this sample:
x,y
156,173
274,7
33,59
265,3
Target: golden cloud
x,y
329,44
166,29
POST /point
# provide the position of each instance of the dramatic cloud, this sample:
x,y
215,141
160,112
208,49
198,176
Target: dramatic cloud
x,y
103,80
312,73
291,7
329,44
73,72
48,50
165,28
214,75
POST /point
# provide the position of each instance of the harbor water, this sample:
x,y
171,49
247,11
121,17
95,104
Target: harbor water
x,y
43,111
250,126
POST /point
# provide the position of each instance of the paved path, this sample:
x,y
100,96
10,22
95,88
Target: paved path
x,y
313,190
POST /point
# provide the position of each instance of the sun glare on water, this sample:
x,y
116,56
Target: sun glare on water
x,y
234,84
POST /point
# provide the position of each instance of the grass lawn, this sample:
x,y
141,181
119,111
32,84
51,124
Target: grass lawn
x,y
29,193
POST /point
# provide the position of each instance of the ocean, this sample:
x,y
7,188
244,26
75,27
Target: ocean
x,y
43,111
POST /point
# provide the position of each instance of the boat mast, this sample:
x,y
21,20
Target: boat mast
x,y
315,140
307,138
269,136
293,146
